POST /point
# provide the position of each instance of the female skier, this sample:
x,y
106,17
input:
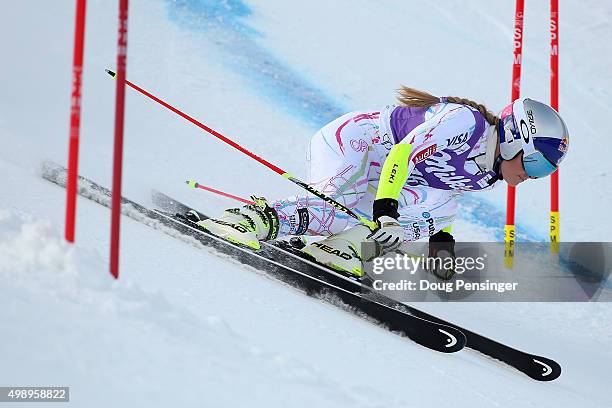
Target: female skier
x,y
404,167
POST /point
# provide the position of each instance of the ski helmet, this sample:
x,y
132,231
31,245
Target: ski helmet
x,y
538,131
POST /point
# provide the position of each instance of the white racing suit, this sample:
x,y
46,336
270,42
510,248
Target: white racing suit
x,y
346,157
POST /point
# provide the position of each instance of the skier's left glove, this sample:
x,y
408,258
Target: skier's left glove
x,y
442,246
389,234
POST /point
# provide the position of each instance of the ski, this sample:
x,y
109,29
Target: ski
x,y
316,280
537,367
433,335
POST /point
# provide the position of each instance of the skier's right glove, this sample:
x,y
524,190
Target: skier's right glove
x,y
389,234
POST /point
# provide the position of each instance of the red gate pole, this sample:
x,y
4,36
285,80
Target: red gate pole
x,y
509,231
75,120
554,102
118,149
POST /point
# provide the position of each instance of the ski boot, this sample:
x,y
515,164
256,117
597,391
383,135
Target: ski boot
x,y
343,251
243,226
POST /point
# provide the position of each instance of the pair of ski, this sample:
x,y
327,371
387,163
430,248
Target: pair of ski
x,y
290,265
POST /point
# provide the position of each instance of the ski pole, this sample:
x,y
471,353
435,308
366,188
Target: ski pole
x,y
371,224
195,184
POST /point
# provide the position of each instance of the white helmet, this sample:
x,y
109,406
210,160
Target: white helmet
x,y
538,131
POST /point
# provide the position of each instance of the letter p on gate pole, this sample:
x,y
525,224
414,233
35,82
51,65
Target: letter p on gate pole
x,y
554,102
509,231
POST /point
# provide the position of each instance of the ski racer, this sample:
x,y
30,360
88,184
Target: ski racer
x,y
404,167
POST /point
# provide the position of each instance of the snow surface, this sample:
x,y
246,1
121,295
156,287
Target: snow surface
x,y
184,326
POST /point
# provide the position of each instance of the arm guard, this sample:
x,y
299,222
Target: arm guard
x,y
392,179
394,172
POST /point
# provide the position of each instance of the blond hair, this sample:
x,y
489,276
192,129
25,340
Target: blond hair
x,y
414,98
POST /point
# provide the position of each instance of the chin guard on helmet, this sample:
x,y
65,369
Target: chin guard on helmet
x,y
497,170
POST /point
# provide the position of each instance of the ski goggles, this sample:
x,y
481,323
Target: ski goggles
x,y
518,126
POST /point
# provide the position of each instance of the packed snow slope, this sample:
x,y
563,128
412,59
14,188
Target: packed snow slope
x,y
186,327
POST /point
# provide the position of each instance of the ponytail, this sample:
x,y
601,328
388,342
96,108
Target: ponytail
x,y
413,98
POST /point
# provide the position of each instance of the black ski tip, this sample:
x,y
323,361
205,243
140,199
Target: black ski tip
x,y
109,72
444,339
453,340
542,368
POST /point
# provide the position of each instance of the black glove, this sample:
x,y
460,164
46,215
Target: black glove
x,y
442,246
389,234
385,206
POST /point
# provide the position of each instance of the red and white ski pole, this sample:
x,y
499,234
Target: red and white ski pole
x,y
263,161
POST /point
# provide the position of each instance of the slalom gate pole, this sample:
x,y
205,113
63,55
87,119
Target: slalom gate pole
x,y
554,102
118,148
509,230
75,120
195,184
266,163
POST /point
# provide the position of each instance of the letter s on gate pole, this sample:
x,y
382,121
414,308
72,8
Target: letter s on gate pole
x,y
554,102
509,231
